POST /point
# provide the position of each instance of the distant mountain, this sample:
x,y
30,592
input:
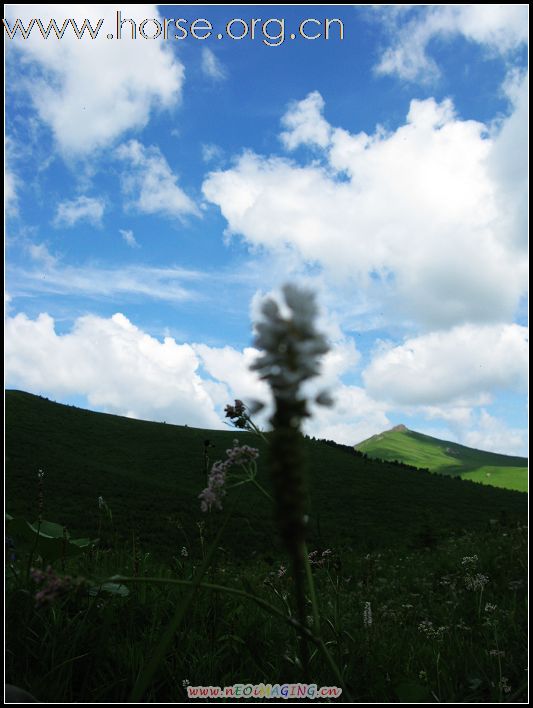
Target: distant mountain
x,y
447,458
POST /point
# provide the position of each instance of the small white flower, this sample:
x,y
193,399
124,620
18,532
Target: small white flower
x,y
367,614
431,632
469,560
476,582
504,685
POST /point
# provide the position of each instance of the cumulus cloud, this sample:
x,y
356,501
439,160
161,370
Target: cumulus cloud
x,y
500,29
420,211
460,364
305,124
82,208
89,92
232,366
212,66
117,366
150,183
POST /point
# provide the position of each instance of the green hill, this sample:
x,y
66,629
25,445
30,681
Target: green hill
x,y
447,458
150,475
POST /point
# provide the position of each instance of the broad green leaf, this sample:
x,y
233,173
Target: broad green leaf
x,y
49,528
110,588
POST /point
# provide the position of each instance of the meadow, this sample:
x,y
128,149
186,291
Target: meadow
x,y
431,634
419,578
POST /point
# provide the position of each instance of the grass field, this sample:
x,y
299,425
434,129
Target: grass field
x,y
448,458
420,579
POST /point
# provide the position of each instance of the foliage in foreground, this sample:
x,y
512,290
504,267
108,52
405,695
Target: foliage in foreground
x,y
439,623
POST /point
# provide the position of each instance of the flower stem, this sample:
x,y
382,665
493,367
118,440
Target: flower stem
x,y
262,490
312,593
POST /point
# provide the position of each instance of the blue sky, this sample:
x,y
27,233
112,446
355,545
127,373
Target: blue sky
x,y
157,189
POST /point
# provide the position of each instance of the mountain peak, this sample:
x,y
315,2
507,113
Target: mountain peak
x,y
448,458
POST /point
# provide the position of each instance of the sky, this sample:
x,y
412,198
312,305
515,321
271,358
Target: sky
x,y
157,189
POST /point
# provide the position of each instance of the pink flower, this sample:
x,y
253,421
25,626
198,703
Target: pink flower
x,y
52,585
237,456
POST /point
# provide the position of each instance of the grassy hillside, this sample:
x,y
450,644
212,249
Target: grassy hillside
x,y
447,458
150,475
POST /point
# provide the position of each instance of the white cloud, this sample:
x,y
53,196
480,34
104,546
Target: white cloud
x,y
354,417
212,66
494,435
305,124
211,152
509,163
11,181
39,252
457,365
458,416
130,282
232,367
89,92
129,238
82,208
417,216
150,182
500,29
117,366
10,192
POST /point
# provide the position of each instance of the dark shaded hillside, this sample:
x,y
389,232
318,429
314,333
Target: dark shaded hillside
x,y
150,474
